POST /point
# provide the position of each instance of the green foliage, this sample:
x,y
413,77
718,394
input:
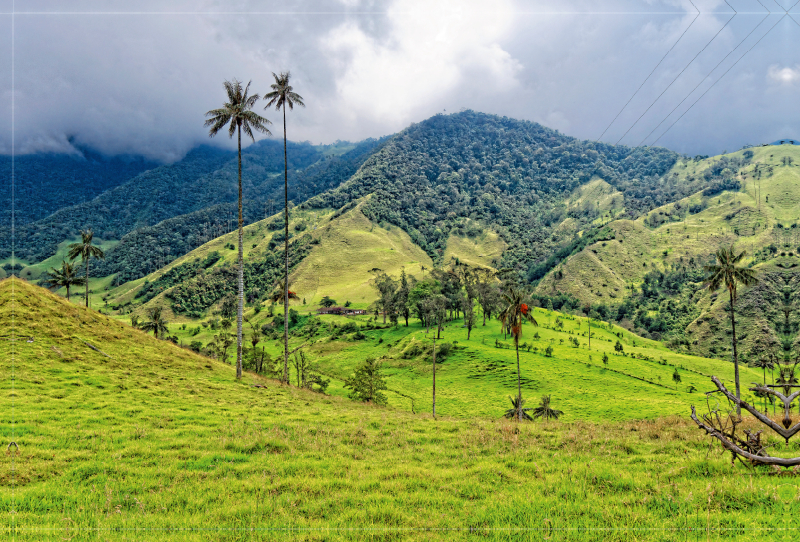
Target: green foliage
x,y
514,175
545,411
367,383
618,347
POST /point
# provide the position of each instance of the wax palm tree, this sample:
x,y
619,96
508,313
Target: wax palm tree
x,y
279,293
726,272
155,322
511,318
237,112
516,410
86,250
65,277
282,95
545,411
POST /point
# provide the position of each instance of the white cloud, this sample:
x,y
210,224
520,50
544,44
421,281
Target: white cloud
x,y
783,76
426,57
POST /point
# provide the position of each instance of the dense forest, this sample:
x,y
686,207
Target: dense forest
x,y
443,175
148,248
206,176
44,183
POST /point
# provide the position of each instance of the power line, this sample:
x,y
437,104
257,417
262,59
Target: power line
x,y
724,74
709,74
652,72
681,73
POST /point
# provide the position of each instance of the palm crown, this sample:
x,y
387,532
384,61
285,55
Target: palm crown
x,y
726,273
238,112
65,277
515,313
282,94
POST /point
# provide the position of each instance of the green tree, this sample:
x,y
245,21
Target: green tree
x,y
386,287
86,250
605,358
401,302
728,273
155,322
65,277
283,95
544,410
237,112
367,383
513,315
618,347
327,302
676,377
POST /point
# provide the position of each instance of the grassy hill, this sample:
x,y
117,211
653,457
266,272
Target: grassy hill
x,y
761,218
133,433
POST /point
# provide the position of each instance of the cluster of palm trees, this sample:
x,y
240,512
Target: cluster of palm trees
x,y
67,275
237,113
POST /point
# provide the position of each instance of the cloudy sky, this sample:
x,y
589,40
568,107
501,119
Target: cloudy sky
x,y
698,77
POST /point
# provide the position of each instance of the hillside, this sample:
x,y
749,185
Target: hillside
x,y
44,183
145,435
649,272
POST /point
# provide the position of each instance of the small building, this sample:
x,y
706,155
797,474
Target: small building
x,y
344,311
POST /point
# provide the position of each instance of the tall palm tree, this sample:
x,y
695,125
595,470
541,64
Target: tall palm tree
x,y
65,277
155,322
282,95
727,272
237,112
512,317
86,250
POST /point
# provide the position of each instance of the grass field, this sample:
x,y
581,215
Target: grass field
x,y
145,436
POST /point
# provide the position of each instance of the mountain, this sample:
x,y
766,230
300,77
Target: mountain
x,y
649,273
206,176
45,183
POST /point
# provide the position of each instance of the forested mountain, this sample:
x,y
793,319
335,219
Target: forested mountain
x,y
205,177
456,174
44,183
148,248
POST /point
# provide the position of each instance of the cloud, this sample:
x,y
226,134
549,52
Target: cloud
x,y
140,83
427,55
783,76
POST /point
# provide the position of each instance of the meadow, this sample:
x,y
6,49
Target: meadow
x,y
134,438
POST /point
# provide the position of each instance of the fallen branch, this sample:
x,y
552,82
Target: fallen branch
x,y
96,349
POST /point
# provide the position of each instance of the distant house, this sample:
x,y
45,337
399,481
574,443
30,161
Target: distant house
x,y
346,311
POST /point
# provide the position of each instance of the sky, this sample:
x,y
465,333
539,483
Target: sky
x,y
698,77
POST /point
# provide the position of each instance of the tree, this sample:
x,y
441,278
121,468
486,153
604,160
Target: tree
x,y
65,277
516,410
86,250
763,362
367,383
401,297
283,94
386,287
605,358
512,317
726,272
488,295
327,302
155,322
676,377
545,411
618,347
237,112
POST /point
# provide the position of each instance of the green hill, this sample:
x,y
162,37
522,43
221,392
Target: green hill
x,y
651,268
116,431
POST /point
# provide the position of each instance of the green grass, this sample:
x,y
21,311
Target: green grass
x,y
155,437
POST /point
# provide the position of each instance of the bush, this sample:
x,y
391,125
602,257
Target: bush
x,y
367,383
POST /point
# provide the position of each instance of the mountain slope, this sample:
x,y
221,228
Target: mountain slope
x,y
147,437
44,183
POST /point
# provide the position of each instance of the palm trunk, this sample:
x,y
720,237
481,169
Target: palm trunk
x,y
240,309
67,292
87,283
285,255
735,356
519,382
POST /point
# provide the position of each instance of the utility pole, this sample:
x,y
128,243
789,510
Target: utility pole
x,y
434,376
